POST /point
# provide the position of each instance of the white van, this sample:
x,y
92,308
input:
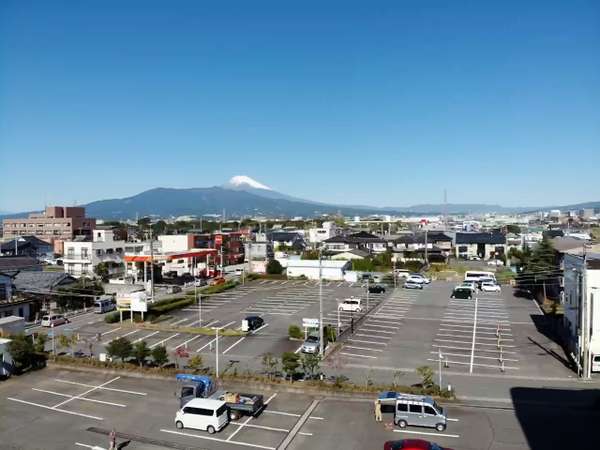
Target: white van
x,y
351,304
203,414
53,320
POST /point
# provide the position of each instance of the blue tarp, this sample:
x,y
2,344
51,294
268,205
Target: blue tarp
x,y
203,380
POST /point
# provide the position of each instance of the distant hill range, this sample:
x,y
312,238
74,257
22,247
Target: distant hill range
x,y
243,196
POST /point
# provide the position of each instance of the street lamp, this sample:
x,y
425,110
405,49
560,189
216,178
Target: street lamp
x,y
217,351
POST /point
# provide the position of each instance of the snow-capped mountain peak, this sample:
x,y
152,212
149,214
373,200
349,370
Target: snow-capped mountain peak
x,y
242,181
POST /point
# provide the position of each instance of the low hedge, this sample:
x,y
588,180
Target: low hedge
x,y
161,308
219,288
338,384
191,330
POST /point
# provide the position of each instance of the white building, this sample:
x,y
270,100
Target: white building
x,y
581,314
309,268
175,242
318,235
82,257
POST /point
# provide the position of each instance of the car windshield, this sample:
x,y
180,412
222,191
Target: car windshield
x,y
312,339
46,318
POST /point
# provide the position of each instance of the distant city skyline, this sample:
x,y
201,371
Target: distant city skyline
x,y
338,102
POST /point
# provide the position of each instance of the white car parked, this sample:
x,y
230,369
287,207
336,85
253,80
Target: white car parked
x,y
417,278
351,304
490,287
495,262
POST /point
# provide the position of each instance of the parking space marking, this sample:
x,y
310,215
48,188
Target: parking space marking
x,y
369,324
354,355
76,397
111,331
246,444
474,364
145,337
125,335
87,416
451,347
59,394
180,321
206,345
234,344
363,328
363,348
156,344
88,446
258,329
104,388
185,343
367,342
476,356
427,434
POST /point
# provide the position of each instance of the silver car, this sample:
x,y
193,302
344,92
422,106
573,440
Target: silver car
x,y
419,410
311,345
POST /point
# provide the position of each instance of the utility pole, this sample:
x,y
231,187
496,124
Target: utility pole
x,y
320,302
151,264
585,329
368,294
217,352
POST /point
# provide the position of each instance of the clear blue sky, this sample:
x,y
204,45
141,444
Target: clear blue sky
x,y
381,103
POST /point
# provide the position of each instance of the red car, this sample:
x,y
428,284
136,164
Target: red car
x,y
412,444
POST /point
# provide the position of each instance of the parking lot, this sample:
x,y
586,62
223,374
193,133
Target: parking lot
x,y
63,409
495,333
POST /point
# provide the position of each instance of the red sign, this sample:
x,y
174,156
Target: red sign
x,y
218,239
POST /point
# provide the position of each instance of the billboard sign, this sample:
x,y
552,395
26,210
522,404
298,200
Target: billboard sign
x,y
310,323
133,301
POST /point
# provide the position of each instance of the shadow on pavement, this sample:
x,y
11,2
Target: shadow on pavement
x,y
558,418
549,328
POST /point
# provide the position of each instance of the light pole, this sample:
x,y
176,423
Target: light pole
x,y
320,303
217,352
367,294
440,356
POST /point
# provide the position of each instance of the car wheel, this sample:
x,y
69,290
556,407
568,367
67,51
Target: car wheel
x,y
179,425
402,423
210,429
440,427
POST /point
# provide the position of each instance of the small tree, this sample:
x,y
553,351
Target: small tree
x,y
120,348
290,362
426,374
310,364
269,363
141,352
102,271
39,345
195,362
295,332
22,352
274,267
396,378
67,342
160,355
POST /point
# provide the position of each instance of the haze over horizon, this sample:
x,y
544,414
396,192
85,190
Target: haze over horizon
x,y
337,102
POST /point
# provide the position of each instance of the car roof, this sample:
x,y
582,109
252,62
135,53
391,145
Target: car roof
x,y
205,402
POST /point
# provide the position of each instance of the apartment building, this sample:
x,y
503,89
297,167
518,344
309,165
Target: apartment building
x,y
56,225
82,256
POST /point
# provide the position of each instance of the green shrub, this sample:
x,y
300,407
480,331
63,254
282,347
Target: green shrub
x,y
274,267
219,287
161,308
112,317
295,332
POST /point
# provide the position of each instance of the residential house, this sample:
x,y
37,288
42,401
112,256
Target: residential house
x,y
430,246
350,255
310,268
486,245
27,246
286,239
19,263
357,241
328,230
82,256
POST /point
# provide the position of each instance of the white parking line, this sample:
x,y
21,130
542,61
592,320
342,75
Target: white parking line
x,y
76,397
371,336
367,342
354,355
125,335
59,394
427,434
474,333
476,356
145,337
89,446
54,409
370,324
111,331
206,345
156,344
364,328
180,321
102,388
258,329
217,439
363,348
185,343
298,349
234,344
474,364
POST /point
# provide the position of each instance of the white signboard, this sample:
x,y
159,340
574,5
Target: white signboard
x,y
139,302
310,323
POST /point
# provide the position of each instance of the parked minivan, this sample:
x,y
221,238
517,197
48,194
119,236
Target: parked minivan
x,y
419,410
203,414
53,320
350,304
